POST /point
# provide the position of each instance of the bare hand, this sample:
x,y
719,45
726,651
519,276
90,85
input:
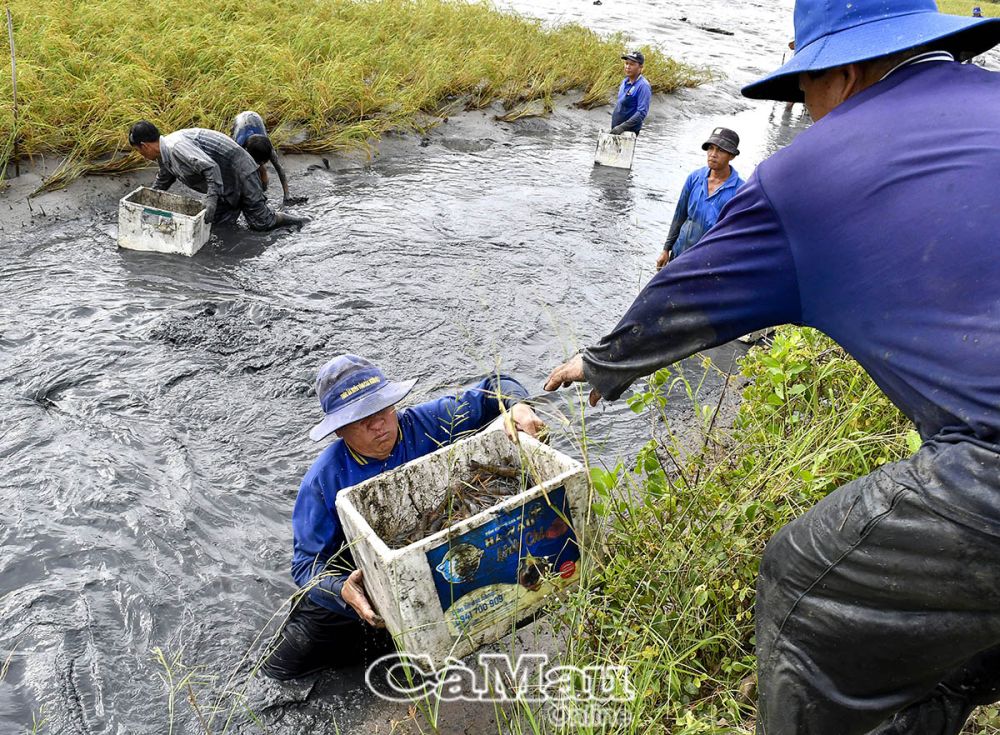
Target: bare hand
x,y
354,595
662,259
568,373
524,419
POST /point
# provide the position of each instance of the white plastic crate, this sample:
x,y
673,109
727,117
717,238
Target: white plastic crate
x,y
471,583
160,222
615,150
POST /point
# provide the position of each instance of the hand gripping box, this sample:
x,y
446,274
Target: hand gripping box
x,y
162,223
470,583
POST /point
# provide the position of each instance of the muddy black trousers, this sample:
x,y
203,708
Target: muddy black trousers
x,y
314,638
878,611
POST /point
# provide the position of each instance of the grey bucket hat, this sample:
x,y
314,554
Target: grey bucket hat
x,y
351,388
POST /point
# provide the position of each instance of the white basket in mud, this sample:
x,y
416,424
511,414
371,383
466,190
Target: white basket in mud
x,y
160,222
470,583
615,150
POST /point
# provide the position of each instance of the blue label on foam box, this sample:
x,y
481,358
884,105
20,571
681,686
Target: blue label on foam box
x,y
508,563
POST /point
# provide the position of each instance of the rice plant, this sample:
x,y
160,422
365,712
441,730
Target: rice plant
x,y
326,75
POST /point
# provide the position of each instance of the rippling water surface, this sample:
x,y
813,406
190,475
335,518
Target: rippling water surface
x,y
155,408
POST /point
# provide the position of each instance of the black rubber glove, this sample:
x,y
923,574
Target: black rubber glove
x,y
618,130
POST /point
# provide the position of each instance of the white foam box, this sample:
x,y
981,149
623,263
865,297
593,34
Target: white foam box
x,y
616,151
471,583
160,222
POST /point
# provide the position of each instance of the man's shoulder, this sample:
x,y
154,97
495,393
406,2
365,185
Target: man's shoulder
x,y
410,416
181,144
188,136
217,137
434,413
330,463
178,135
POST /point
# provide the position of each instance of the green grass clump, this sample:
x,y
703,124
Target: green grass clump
x,y
340,73
990,8
674,600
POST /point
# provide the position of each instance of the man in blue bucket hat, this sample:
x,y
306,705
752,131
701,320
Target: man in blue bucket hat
x,y
333,624
878,611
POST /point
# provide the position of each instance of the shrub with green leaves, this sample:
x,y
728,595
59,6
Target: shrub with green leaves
x,y
674,600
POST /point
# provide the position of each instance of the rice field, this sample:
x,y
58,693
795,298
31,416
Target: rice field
x,y
324,74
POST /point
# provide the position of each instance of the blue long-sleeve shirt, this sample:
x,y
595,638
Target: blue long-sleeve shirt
x,y
697,211
878,226
318,538
633,104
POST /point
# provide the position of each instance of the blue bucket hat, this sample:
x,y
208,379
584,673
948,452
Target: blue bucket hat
x,y
831,33
351,388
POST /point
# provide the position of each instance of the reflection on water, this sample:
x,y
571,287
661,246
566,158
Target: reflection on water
x,y
787,120
156,408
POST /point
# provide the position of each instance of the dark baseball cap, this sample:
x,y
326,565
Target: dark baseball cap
x,y
635,56
726,139
351,388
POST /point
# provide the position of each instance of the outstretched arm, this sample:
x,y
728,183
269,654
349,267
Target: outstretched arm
x,y
191,164
213,179
281,175
738,278
448,419
316,541
568,373
680,217
164,179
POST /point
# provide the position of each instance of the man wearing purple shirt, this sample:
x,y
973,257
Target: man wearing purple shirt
x,y
878,611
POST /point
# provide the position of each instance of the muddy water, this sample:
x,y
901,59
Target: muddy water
x,y
155,408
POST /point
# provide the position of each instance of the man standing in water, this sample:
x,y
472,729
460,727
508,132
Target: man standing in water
x,y
705,193
333,623
634,96
210,163
878,611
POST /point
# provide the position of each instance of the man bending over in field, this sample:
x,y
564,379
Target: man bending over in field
x,y
210,163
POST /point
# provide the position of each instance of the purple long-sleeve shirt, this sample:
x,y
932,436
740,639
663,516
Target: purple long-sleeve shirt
x,y
879,226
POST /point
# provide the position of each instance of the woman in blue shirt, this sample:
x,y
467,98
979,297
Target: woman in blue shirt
x,y
705,193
